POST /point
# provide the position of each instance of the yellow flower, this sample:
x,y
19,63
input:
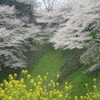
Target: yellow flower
x,y
57,75
94,86
66,83
81,97
38,76
46,74
28,76
70,86
39,83
10,75
1,85
24,71
67,88
41,79
22,80
34,84
94,79
15,75
60,96
57,84
18,90
86,84
76,98
45,77
32,81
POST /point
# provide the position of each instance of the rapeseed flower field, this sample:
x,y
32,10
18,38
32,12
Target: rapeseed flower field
x,y
17,89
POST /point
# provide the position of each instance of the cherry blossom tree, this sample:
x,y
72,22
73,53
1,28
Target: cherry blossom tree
x,y
15,38
76,21
92,54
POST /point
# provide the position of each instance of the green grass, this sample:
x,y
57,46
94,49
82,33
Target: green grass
x,y
78,80
50,61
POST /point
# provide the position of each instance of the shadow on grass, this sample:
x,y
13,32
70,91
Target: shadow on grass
x,y
5,71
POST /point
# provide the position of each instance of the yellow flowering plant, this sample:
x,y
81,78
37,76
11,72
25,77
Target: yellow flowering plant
x,y
15,89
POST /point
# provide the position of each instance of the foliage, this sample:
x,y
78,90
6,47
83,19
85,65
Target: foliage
x,y
16,38
19,90
74,18
92,53
24,7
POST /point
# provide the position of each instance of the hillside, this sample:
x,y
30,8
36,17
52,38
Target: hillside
x,y
66,63
53,61
56,57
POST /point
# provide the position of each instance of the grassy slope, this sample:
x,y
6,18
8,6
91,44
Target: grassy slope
x,y
78,80
51,60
